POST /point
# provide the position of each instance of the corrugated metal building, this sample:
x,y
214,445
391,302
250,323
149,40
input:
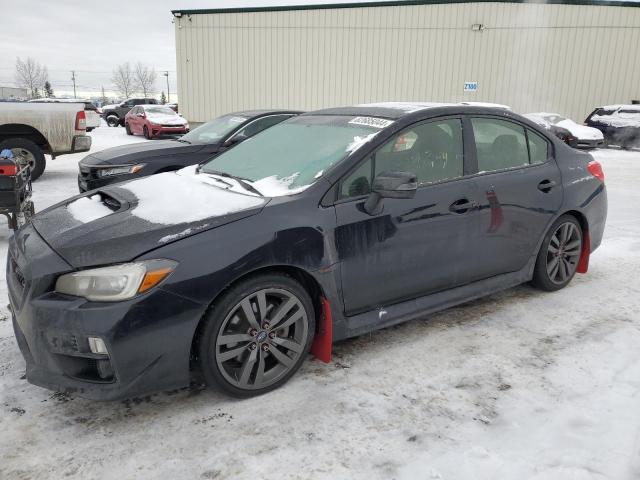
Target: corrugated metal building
x,y
566,56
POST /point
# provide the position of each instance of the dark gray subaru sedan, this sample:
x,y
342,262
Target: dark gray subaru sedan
x,y
325,226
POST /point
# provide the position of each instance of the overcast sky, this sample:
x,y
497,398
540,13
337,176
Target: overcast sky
x,y
93,37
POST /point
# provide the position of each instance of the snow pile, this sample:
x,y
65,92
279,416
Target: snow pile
x,y
192,198
275,187
88,209
359,142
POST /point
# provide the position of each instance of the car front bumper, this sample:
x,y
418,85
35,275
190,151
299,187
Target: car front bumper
x,y
590,143
157,130
148,338
91,181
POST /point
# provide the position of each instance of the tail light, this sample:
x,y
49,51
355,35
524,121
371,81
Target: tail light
x,y
81,120
595,169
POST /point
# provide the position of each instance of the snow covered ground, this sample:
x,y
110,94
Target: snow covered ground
x,y
519,385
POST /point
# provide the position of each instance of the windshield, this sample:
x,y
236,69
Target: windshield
x,y
159,110
215,130
287,158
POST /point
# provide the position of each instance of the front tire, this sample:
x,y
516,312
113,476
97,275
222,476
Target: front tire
x,y
113,120
145,132
128,129
559,255
28,152
256,336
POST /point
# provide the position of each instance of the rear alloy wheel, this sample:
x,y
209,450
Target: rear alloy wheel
x,y
559,255
113,120
257,335
145,132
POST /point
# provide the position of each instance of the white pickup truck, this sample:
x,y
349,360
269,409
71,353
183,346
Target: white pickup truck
x,y
31,130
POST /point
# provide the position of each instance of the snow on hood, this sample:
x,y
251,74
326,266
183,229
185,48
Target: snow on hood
x,y
198,199
88,209
581,132
166,119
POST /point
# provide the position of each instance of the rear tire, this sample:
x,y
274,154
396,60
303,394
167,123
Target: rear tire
x,y
267,355
145,132
128,129
559,255
28,150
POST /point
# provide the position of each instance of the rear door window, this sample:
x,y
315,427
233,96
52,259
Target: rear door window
x,y
499,144
538,147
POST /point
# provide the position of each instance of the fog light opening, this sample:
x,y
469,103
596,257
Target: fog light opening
x,y
105,369
96,345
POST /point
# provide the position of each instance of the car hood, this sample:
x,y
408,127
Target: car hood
x,y
128,154
121,222
581,132
166,119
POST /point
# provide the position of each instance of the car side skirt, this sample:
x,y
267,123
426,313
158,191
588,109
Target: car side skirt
x,y
419,307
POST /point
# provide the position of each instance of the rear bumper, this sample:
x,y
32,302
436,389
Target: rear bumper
x,y
148,338
81,143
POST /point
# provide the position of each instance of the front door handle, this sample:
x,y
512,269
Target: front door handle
x,y
461,206
546,185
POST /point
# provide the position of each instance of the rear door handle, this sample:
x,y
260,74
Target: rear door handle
x,y
461,206
546,185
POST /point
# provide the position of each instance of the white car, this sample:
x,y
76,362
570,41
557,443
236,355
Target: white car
x,y
588,137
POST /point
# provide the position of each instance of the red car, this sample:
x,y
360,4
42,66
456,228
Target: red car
x,y
154,121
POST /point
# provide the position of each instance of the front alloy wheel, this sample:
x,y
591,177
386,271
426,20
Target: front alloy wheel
x,y
257,336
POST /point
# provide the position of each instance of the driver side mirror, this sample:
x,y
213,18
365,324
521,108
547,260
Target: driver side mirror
x,y
390,185
140,114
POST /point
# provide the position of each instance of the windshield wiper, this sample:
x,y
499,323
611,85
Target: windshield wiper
x,y
242,181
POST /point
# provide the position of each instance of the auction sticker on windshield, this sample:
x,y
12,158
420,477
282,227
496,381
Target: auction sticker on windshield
x,y
371,122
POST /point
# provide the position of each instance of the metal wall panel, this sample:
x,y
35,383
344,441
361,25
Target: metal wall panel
x,y
533,57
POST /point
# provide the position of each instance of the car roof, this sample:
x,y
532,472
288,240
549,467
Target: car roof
x,y
263,112
620,105
397,110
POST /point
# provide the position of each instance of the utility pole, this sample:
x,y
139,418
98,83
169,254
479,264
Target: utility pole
x,y
166,74
73,78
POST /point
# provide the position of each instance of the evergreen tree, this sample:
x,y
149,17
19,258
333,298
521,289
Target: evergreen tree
x,y
48,91
163,98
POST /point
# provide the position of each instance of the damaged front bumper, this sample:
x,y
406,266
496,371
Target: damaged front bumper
x,y
147,339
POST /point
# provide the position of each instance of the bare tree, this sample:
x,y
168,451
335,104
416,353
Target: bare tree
x,y
124,80
31,75
146,78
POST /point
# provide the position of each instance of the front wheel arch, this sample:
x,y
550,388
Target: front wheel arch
x,y
308,282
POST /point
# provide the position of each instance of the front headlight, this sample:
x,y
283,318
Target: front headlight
x,y
120,170
115,283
